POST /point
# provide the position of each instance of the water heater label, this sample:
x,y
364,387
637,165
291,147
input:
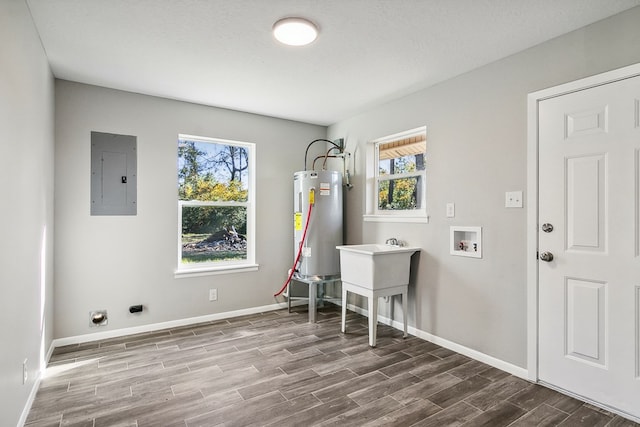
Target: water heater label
x,y
325,189
297,221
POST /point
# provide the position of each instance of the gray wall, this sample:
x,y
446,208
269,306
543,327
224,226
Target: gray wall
x,y
477,151
26,217
476,142
112,262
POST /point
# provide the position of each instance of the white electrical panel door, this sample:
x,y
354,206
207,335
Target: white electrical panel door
x,y
113,174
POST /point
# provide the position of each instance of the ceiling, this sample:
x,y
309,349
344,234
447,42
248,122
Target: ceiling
x,y
222,53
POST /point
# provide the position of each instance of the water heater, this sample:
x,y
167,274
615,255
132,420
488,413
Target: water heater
x,y
317,200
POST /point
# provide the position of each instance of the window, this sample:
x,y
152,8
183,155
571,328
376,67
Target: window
x,y
215,205
397,173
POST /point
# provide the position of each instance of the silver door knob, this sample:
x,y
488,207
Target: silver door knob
x,y
547,228
546,256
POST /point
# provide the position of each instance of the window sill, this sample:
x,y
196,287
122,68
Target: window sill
x,y
210,271
424,219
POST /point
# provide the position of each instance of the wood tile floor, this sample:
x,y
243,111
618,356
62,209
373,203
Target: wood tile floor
x,y
275,369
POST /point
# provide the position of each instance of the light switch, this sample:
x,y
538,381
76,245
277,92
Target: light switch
x,y
513,199
451,210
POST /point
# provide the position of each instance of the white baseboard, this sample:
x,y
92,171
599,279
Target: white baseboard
x,y
474,354
47,357
59,342
458,348
135,330
469,352
466,351
35,388
30,400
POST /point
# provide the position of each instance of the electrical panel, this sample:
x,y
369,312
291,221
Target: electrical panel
x,y
113,174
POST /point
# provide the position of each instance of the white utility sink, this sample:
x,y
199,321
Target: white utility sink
x,y
375,266
375,271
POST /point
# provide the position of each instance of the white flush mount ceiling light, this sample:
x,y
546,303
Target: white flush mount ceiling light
x,y
295,31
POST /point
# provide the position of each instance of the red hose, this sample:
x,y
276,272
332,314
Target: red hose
x,y
295,264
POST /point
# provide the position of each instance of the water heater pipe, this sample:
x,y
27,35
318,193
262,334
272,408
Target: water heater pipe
x,y
324,164
304,236
318,140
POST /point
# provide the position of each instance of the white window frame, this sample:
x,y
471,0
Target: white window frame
x,y
232,266
373,178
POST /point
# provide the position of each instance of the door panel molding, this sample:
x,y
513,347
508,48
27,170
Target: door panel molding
x,y
586,326
588,122
586,187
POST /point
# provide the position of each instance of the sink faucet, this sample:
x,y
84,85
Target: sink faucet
x,y
392,241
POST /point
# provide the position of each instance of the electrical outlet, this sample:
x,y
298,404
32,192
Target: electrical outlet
x,y
213,295
25,372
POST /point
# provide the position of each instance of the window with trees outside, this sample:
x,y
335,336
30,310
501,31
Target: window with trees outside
x,y
216,208
399,174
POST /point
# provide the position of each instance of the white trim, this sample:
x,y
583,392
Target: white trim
x,y
214,140
203,269
212,203
400,135
533,99
466,351
78,339
396,218
474,354
587,82
210,271
458,348
49,353
30,400
373,214
402,175
34,389
532,238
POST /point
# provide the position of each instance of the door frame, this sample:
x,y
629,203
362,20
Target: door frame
x,y
533,100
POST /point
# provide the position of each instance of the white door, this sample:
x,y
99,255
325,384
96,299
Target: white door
x,y
589,293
